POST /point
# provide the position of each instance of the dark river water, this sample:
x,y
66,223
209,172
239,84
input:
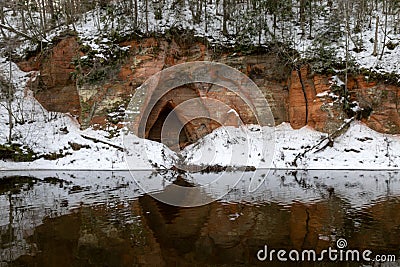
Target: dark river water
x,y
88,218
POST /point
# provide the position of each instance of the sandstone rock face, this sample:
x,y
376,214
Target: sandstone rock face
x,y
296,96
54,86
309,103
383,100
306,107
150,56
298,105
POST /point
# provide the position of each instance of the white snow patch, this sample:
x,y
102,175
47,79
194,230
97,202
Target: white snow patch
x,y
359,148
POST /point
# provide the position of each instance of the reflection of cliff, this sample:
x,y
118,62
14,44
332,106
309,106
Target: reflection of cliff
x,y
222,233
150,233
176,230
98,236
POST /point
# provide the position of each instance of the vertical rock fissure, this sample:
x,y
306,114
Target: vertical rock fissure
x,y
304,94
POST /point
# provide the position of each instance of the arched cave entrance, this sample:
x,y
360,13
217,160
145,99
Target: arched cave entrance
x,y
174,126
210,107
188,133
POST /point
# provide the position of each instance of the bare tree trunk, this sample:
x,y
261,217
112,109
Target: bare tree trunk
x,y
347,50
71,13
147,16
303,88
2,12
136,14
259,32
310,19
44,16
225,17
32,38
40,18
9,101
96,15
2,18
52,14
385,8
131,10
302,16
22,11
205,16
375,52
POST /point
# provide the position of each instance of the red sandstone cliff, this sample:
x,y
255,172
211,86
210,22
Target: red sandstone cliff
x,y
295,96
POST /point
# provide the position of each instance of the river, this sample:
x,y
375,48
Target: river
x,y
89,218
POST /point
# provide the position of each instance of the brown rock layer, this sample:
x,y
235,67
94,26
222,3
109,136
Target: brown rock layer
x,y
54,86
294,96
323,114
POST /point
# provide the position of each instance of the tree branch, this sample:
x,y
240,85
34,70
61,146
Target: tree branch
x,y
2,26
320,146
103,142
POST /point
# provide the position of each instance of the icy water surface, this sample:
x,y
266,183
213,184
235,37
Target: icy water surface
x,y
105,219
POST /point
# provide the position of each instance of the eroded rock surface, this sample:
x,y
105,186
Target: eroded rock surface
x,y
300,97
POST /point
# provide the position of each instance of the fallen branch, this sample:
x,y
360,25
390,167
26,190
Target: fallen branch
x,y
330,139
103,142
335,134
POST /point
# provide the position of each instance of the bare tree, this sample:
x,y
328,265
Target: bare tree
x,y
302,15
9,102
375,52
2,19
146,2
7,95
386,11
347,40
136,14
225,17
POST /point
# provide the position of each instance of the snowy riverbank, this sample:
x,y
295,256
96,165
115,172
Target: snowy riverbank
x,y
358,148
58,136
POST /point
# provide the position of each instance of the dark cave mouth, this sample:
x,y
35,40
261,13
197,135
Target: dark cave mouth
x,y
176,125
188,133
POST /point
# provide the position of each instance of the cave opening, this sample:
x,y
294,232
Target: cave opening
x,y
170,135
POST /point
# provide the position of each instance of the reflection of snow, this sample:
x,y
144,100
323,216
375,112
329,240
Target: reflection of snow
x,y
48,199
357,188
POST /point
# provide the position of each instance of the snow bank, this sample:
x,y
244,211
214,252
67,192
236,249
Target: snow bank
x,y
359,148
231,146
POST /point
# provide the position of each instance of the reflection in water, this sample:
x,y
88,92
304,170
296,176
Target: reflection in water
x,y
103,219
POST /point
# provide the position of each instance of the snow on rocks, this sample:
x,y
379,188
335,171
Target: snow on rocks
x,y
59,135
358,148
